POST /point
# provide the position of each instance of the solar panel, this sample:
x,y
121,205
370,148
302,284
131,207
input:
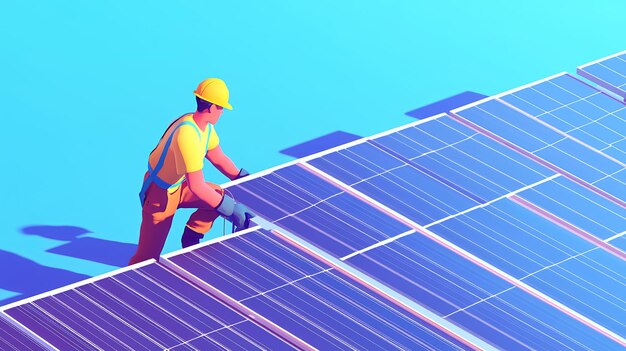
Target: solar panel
x,y
608,72
548,146
440,289
500,225
310,298
143,308
578,110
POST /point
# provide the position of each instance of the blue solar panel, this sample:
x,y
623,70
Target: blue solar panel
x,y
576,109
579,206
15,338
435,180
519,321
512,250
511,238
302,202
547,146
143,309
309,298
609,73
501,224
593,283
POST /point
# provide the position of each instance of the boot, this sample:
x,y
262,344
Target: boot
x,y
190,237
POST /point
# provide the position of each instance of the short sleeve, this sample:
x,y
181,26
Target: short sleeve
x,y
188,151
214,139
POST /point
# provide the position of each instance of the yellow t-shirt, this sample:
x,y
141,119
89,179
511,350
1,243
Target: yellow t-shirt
x,y
186,152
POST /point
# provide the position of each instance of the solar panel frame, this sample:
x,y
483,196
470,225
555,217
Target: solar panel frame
x,y
583,71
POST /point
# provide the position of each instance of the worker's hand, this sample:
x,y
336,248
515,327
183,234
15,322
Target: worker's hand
x,y
242,173
236,213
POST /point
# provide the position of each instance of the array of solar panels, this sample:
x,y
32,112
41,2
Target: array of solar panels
x,y
497,226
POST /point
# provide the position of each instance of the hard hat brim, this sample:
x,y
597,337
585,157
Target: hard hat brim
x,y
226,105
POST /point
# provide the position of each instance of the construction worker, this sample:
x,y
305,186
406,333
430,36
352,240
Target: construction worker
x,y
175,180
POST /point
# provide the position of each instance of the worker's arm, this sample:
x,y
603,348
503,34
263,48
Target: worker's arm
x,y
204,192
237,213
224,164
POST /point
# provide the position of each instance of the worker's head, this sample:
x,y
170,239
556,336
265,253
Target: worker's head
x,y
212,96
212,111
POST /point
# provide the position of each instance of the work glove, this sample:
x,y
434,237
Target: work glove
x,y
236,213
242,173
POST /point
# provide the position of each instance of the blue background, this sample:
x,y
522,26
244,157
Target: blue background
x,y
87,88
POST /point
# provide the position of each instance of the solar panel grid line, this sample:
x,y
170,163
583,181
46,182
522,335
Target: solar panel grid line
x,y
207,334
68,336
571,208
439,265
591,295
182,322
325,332
534,327
428,172
372,167
231,302
565,134
591,202
313,225
26,331
94,329
410,162
570,227
479,302
468,154
328,151
87,341
499,293
400,301
514,246
361,292
618,235
408,187
290,283
179,320
121,320
538,159
286,284
183,301
508,195
378,244
131,310
480,206
553,144
485,265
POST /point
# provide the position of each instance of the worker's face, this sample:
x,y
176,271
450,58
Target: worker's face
x,y
214,113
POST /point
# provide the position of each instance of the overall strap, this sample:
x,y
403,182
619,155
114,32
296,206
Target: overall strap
x,y
152,173
159,164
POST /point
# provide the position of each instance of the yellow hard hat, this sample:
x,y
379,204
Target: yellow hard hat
x,y
213,90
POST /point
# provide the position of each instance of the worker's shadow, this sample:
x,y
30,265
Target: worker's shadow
x,y
79,245
28,278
